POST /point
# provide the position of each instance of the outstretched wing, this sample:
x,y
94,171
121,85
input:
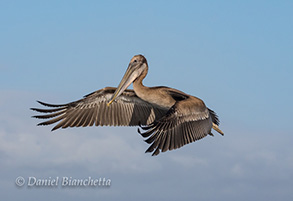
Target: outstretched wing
x,y
126,110
187,121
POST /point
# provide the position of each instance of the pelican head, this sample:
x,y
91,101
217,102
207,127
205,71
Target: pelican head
x,y
138,64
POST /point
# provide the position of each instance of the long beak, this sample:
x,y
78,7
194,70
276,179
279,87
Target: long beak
x,y
127,79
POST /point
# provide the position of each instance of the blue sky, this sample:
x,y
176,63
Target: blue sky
x,y
235,55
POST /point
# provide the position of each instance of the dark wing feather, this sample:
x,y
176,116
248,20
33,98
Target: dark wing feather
x,y
126,110
186,121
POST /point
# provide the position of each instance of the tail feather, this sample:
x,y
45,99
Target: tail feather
x,y
216,128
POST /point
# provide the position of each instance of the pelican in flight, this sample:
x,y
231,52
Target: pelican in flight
x,y
168,117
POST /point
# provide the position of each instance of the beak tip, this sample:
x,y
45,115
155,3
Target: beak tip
x,y
109,103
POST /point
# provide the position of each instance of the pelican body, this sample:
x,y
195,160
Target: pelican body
x,y
170,118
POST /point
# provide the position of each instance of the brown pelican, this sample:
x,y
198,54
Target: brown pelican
x,y
169,117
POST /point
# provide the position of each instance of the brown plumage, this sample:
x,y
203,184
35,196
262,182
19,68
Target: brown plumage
x,y
169,117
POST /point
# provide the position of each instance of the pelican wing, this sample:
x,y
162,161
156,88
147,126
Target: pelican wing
x,y
126,110
186,121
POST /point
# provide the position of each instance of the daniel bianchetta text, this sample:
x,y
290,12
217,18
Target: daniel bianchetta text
x,y
63,182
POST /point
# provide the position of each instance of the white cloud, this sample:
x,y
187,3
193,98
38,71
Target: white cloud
x,y
98,151
237,170
187,160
